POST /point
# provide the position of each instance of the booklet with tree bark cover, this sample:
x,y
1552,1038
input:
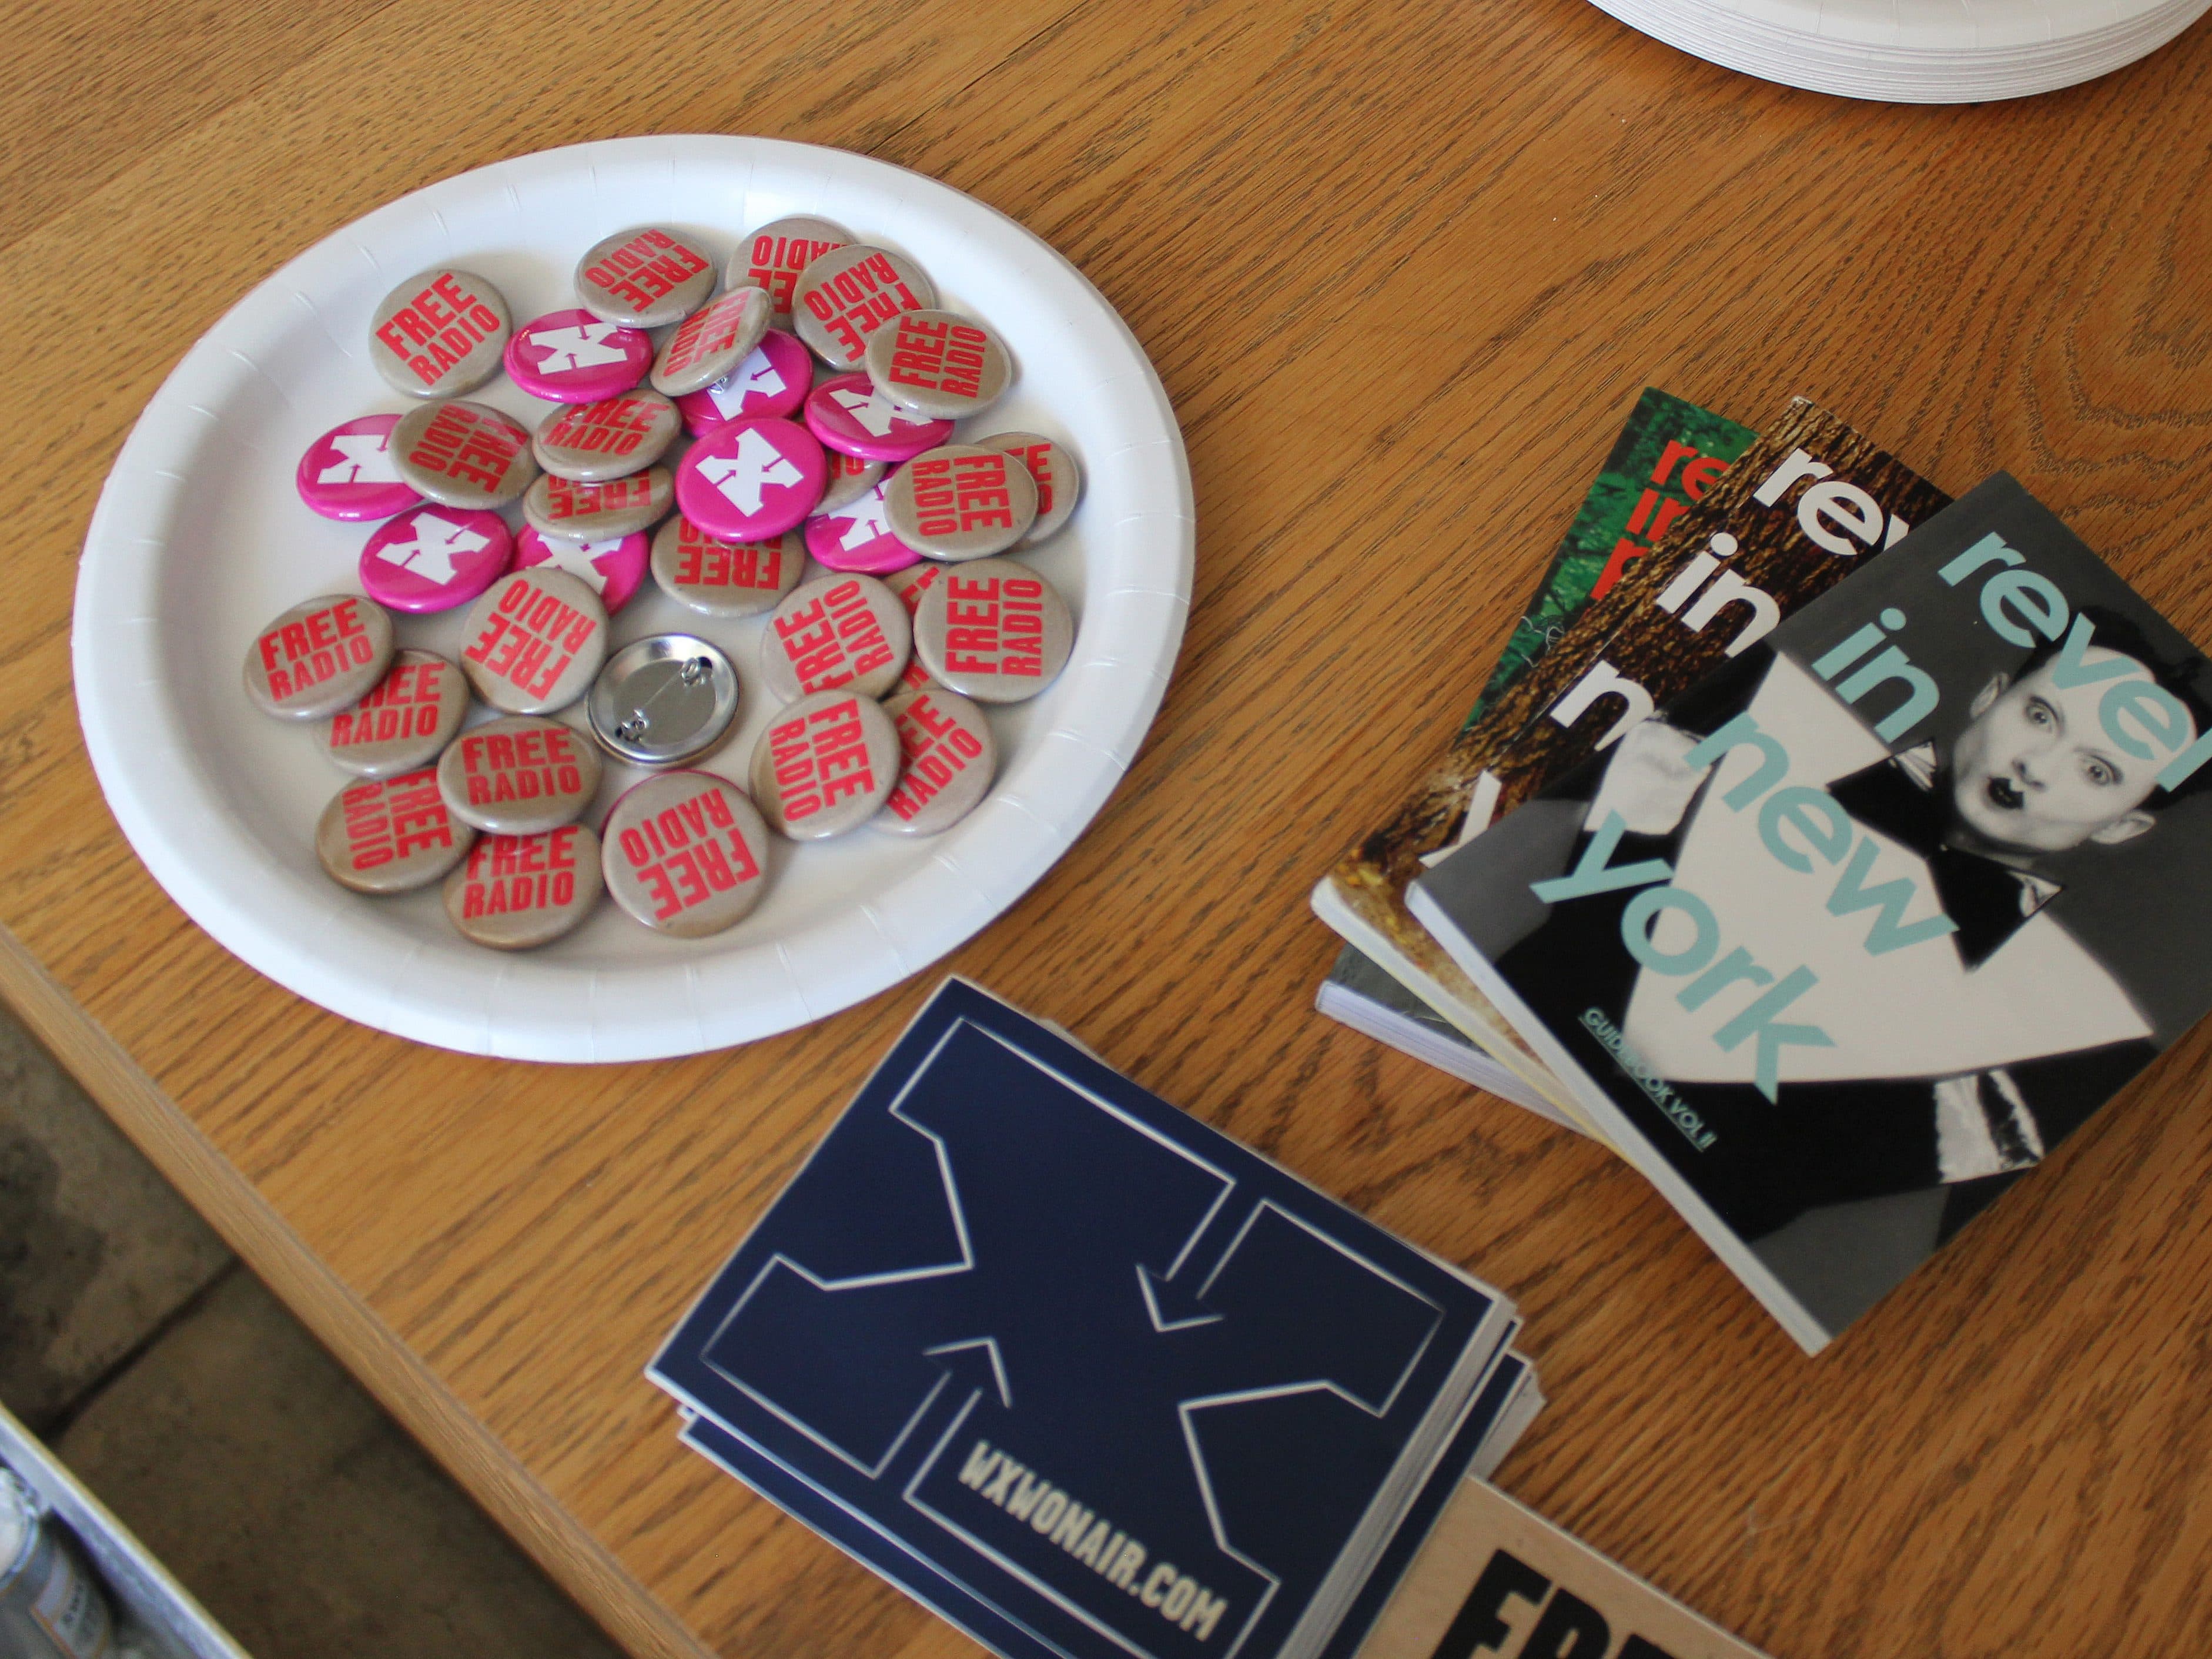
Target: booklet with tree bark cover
x,y
1666,458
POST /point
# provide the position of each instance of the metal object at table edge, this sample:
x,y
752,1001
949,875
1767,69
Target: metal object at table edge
x,y
163,1614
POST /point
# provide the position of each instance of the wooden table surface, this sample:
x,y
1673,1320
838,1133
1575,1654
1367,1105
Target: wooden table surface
x,y
1402,268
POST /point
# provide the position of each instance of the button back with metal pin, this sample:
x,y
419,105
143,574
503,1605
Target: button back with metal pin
x,y
665,701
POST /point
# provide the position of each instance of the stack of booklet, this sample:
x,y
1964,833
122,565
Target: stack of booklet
x,y
1832,852
1086,1375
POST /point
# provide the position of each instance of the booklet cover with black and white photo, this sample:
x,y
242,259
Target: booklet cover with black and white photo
x,y
1848,938
1083,1372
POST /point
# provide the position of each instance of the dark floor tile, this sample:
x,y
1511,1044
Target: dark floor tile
x,y
286,1500
96,1251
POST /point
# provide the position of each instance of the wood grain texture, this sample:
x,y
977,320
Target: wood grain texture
x,y
1402,269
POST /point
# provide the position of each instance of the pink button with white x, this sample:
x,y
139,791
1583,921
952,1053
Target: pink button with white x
x,y
574,357
750,479
859,538
347,473
612,567
436,558
850,416
773,380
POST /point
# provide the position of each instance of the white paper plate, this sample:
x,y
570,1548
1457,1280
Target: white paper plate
x,y
199,539
1925,51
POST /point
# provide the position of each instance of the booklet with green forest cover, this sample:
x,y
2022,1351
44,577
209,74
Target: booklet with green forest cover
x,y
1666,458
1669,455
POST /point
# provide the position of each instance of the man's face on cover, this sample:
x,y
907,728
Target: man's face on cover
x,y
2036,772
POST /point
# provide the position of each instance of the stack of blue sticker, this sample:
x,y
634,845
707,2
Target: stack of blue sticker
x,y
1084,1375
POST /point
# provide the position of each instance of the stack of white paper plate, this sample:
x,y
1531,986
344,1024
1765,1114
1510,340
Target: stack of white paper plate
x,y
1916,51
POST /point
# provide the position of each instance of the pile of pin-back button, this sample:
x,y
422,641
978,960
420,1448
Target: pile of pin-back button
x,y
879,664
